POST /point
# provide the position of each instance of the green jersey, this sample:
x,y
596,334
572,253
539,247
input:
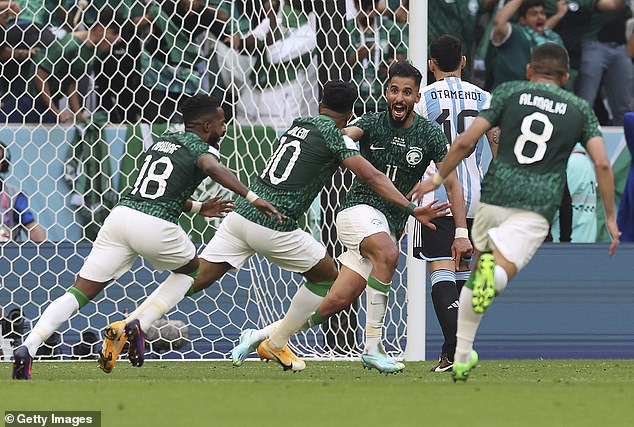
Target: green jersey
x,y
67,60
458,18
303,161
510,58
540,124
168,176
402,154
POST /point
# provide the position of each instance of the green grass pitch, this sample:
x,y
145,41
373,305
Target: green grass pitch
x,y
499,393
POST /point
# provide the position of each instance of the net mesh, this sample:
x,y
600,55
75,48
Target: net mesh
x,y
85,91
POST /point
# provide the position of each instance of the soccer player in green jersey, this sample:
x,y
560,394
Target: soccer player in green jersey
x,y
399,143
304,160
145,222
540,124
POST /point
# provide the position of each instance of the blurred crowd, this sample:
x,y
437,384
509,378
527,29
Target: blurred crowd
x,y
63,59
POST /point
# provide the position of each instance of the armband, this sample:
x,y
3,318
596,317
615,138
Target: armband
x,y
251,196
196,206
410,209
462,233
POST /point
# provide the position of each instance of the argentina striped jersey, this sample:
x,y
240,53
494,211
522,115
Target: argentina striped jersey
x,y
452,104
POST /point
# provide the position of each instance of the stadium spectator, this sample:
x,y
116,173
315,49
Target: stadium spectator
x,y
630,37
171,63
451,104
567,18
401,144
15,215
7,51
522,187
376,42
604,63
145,223
514,42
64,63
283,83
458,18
580,197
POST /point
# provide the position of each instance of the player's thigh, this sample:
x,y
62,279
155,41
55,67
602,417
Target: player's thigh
x,y
164,244
519,236
229,244
353,226
295,251
111,254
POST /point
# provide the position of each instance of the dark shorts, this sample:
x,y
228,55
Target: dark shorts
x,y
435,245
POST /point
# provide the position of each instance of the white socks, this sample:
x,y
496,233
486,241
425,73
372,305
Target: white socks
x,y
468,323
163,299
500,278
376,306
303,305
58,312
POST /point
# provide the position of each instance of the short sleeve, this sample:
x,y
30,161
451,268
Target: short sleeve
x,y
341,145
437,142
590,124
493,113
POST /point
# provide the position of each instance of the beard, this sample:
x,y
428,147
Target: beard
x,y
400,122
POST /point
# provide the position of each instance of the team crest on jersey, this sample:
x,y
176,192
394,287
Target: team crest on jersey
x,y
414,156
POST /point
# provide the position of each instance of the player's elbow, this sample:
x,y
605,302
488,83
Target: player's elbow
x,y
603,166
462,144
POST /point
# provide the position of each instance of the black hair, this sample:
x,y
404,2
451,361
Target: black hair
x,y
446,51
196,106
404,69
339,96
528,4
5,161
550,60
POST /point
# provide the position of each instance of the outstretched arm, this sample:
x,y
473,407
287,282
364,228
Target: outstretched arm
x,y
605,179
459,149
223,176
501,26
382,185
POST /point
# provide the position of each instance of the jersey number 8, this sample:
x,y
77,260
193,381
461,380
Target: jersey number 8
x,y
539,139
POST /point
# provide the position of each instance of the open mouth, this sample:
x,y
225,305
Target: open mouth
x,y
399,111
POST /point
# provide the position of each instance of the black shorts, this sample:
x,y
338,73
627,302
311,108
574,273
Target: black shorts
x,y
435,245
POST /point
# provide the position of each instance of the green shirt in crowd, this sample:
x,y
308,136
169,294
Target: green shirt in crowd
x,y
370,74
67,60
510,57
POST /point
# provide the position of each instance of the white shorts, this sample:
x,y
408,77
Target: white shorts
x,y
238,239
516,233
127,233
355,224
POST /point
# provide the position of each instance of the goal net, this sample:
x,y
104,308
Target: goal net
x,y
85,91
